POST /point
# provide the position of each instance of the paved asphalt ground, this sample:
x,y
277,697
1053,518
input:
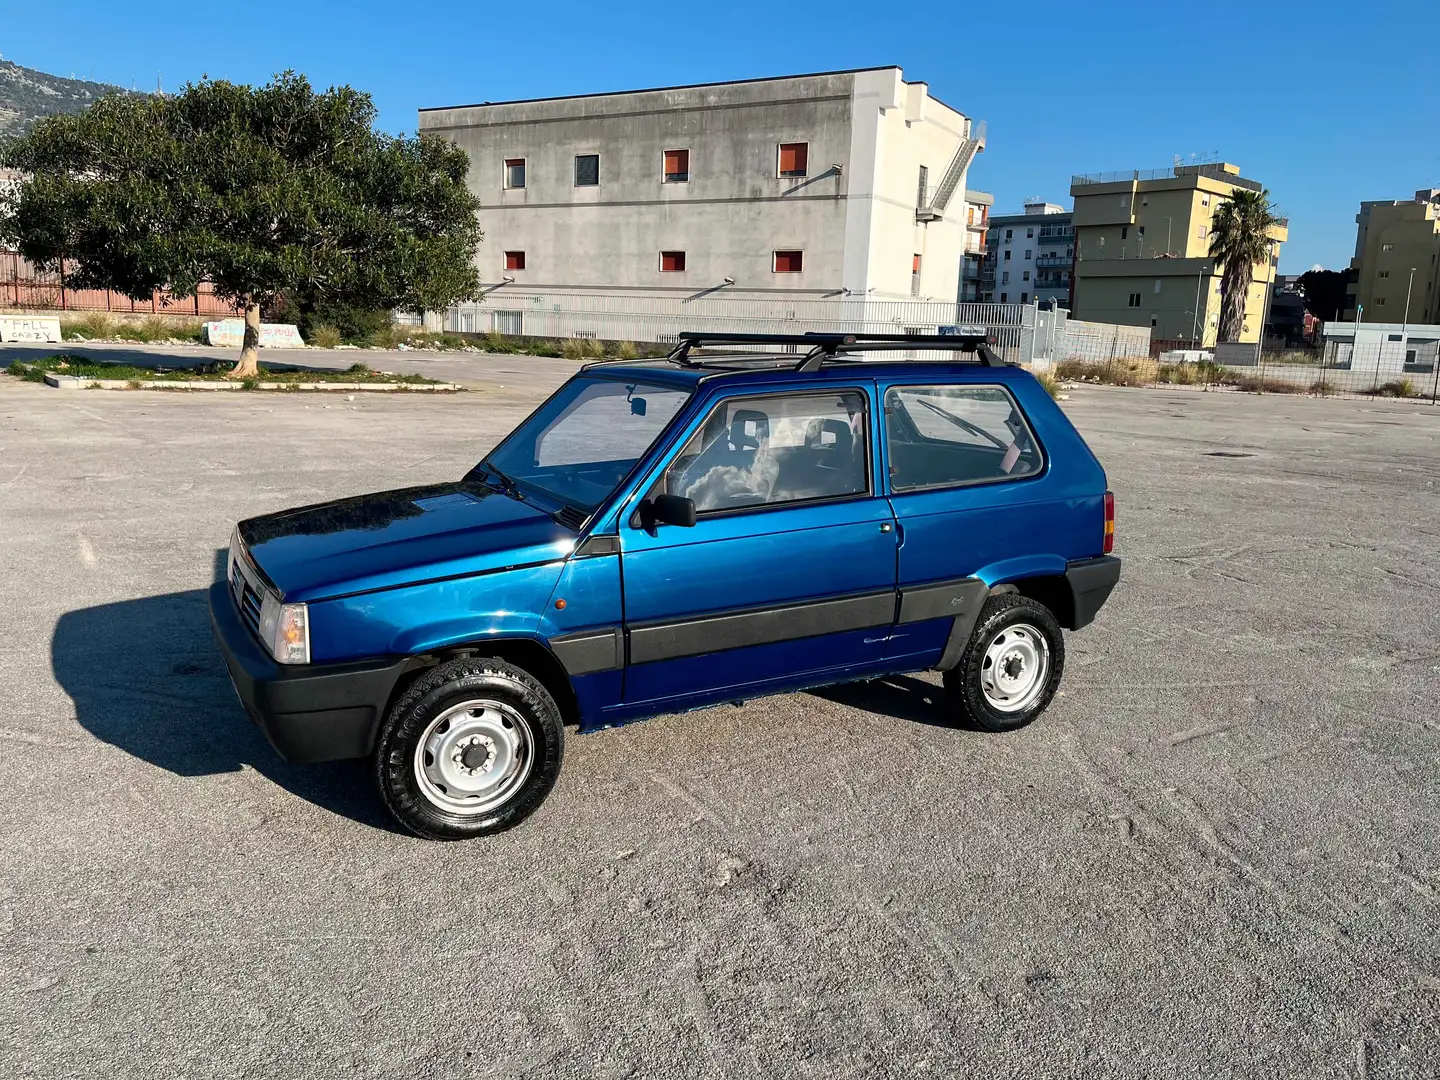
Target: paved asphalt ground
x,y
1217,855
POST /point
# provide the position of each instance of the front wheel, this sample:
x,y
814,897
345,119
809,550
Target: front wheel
x,y
1012,666
471,748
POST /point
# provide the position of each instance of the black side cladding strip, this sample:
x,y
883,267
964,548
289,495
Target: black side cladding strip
x,y
672,639
590,651
942,600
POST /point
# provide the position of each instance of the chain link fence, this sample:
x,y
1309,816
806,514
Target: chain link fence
x,y
1337,369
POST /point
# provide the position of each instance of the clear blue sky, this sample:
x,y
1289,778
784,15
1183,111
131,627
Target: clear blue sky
x,y
1325,103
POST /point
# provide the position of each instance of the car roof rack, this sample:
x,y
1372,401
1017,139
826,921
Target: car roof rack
x,y
827,346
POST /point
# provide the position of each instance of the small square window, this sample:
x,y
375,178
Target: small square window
x,y
1027,254
1009,234
789,262
1030,234
587,170
1004,298
515,172
1007,254
1383,274
1204,231
1379,301
794,159
1124,232
514,260
1025,276
1024,298
1204,200
677,166
1387,247
672,262
1005,278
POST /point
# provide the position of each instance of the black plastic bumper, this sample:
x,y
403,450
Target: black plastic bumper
x,y
309,713
1091,581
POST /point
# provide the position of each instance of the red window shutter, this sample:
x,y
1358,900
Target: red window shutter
x,y
514,260
789,262
915,266
793,158
672,261
677,164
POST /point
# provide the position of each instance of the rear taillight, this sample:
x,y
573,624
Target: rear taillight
x,y
1109,545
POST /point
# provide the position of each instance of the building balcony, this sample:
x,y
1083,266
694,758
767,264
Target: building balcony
x,y
1054,262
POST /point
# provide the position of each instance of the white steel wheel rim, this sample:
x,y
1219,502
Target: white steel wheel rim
x,y
474,757
1014,668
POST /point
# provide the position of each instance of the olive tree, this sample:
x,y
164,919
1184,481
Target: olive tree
x,y
261,191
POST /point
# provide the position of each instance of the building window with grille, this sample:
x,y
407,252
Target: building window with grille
x,y
677,166
515,172
789,262
794,159
587,170
672,262
514,260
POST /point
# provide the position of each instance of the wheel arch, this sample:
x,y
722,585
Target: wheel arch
x,y
527,653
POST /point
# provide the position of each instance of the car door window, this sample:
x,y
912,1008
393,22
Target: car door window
x,y
945,436
774,449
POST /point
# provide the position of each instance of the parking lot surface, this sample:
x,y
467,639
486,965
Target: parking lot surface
x,y
1218,853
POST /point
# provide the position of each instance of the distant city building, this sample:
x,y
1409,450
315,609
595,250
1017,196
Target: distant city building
x,y
1287,322
1028,256
977,221
1392,239
803,186
1142,243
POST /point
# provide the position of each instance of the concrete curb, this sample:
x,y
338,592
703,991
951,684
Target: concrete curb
x,y
71,382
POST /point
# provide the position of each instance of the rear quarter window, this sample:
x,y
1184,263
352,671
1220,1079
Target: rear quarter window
x,y
949,436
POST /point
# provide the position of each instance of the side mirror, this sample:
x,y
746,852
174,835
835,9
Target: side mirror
x,y
668,510
637,406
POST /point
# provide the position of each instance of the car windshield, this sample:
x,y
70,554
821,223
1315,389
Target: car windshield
x,y
582,442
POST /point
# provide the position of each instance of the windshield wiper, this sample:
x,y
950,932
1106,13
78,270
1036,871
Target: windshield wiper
x,y
963,424
506,484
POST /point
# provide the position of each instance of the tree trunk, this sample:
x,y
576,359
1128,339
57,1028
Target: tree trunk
x,y
1235,288
249,365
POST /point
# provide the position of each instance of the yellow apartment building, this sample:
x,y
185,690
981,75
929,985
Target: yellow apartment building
x,y
1142,243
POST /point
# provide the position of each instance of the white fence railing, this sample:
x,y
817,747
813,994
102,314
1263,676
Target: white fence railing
x,y
1023,333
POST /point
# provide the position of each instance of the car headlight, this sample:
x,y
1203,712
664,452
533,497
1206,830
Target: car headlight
x,y
285,629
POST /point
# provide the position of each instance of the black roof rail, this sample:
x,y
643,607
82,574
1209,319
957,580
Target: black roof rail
x,y
824,345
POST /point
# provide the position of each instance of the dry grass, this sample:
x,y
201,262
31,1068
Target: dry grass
x,y
1046,377
324,337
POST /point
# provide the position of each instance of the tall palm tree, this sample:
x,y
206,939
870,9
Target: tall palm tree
x,y
1239,239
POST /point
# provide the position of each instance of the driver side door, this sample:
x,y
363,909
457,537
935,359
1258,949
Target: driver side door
x,y
787,577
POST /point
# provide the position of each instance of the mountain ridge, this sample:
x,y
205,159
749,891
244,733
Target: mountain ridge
x,y
27,95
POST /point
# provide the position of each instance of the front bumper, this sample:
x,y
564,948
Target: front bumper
x,y
310,713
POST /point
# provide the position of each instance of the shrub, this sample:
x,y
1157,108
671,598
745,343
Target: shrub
x,y
1073,368
1264,384
575,349
497,343
594,349
1398,388
1322,388
324,337
358,369
627,351
1045,376
93,324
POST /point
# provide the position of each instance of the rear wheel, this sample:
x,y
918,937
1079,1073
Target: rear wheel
x,y
471,748
1011,669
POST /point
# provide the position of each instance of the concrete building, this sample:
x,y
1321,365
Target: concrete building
x,y
1384,351
1397,260
1028,256
805,186
1286,321
1142,242
977,221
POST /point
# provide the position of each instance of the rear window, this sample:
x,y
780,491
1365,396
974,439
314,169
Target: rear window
x,y
947,436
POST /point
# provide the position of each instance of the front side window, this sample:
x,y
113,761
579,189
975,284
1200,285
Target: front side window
x,y
515,172
765,451
946,436
582,442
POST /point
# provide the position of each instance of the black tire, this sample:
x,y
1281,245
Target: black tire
x,y
427,700
965,683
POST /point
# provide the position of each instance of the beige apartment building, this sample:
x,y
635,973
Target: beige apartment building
x,y
1397,260
1142,243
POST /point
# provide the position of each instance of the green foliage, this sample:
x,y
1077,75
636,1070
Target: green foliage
x,y
324,337
627,351
356,325
1239,239
264,192
1324,292
1398,388
574,349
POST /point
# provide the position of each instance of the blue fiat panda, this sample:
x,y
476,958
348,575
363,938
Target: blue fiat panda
x,y
753,514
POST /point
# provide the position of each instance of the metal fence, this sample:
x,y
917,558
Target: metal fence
x,y
1023,334
1337,370
24,287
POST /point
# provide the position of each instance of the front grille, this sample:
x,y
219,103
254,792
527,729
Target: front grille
x,y
247,597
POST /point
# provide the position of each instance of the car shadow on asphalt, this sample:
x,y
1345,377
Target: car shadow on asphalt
x,y
146,676
901,696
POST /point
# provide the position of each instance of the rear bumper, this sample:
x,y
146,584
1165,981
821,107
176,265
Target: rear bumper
x,y
1091,582
310,713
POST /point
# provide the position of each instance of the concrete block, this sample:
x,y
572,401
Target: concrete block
x,y
30,328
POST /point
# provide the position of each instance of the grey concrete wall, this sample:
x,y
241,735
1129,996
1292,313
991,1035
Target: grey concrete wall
x,y
728,218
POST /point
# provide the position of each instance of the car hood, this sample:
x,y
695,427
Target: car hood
x,y
400,537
